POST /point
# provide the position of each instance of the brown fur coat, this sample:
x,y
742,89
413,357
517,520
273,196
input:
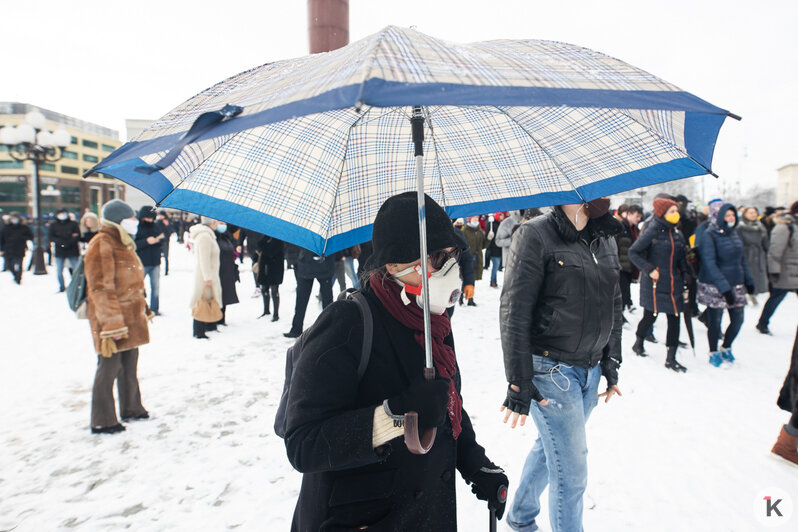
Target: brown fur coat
x,y
115,285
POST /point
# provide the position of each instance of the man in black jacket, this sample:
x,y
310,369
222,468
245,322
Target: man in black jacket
x,y
561,330
65,235
149,243
310,266
14,243
167,229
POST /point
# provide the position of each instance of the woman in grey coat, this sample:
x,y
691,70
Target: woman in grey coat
x,y
782,264
755,243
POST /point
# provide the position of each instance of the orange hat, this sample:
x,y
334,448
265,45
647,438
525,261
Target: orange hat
x,y
661,206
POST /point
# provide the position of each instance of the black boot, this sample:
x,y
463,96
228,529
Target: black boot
x,y
276,303
638,348
471,303
670,361
199,330
265,297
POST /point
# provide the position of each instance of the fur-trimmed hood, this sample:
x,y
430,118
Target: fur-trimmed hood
x,y
603,227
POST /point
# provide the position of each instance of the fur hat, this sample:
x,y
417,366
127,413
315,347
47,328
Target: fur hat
x,y
661,206
395,231
117,210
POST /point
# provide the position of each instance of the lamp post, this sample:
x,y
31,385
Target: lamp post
x,y
31,142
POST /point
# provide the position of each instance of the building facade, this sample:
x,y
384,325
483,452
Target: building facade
x,y
60,182
787,187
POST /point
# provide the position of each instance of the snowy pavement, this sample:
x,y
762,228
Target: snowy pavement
x,y
676,452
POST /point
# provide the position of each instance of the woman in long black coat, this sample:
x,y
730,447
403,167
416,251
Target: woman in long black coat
x,y
271,260
344,433
228,270
659,254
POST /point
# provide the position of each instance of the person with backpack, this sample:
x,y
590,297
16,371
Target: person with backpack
x,y
723,278
782,264
659,254
14,240
344,431
118,313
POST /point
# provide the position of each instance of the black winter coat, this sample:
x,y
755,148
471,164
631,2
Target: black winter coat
x,y
14,239
271,264
661,247
228,269
466,260
561,297
347,484
625,239
788,397
150,254
65,237
311,266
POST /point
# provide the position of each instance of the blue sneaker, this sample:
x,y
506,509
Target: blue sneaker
x,y
726,355
715,359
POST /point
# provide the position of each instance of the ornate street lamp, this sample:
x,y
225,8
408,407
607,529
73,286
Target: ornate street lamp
x,y
31,142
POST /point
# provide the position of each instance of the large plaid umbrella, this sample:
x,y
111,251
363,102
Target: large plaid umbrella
x,y
308,149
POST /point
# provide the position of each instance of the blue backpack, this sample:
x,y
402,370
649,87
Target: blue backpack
x,y
293,353
76,291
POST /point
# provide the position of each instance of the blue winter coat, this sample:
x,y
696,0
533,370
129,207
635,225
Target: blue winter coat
x,y
661,247
722,255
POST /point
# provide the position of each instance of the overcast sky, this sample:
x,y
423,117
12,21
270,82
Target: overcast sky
x,y
106,61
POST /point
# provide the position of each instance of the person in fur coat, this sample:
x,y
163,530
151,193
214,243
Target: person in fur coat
x,y
206,272
118,313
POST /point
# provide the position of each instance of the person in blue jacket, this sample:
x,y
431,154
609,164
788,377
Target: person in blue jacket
x,y
659,254
723,279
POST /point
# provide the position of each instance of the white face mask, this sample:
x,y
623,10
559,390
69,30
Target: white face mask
x,y
130,225
62,217
473,225
444,286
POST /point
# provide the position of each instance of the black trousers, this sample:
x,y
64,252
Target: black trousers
x,y
303,289
648,320
625,281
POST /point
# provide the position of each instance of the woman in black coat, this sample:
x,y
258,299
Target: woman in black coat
x,y
228,270
344,433
271,260
787,444
659,253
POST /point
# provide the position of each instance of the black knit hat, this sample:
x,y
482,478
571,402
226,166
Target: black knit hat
x,y
394,234
146,211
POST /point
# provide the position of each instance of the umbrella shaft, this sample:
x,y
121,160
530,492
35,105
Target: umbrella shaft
x,y
422,238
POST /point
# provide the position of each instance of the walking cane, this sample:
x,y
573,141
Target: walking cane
x,y
502,494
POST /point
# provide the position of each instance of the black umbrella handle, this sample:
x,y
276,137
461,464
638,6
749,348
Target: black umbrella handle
x,y
501,495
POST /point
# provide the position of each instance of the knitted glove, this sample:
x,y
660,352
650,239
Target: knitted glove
x,y
728,295
468,291
490,484
519,401
429,399
108,346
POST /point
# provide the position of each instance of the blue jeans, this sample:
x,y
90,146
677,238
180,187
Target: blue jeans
x,y
714,316
495,262
559,456
349,263
155,280
776,297
59,268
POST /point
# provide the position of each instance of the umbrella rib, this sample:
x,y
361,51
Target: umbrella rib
x,y
666,141
437,156
544,150
373,60
204,160
340,177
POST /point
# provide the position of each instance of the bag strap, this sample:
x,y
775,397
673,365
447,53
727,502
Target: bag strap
x,y
368,330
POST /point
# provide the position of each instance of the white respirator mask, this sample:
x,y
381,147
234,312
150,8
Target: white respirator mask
x,y
130,225
444,287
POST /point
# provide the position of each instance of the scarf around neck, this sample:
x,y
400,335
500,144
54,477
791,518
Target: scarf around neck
x,y
412,316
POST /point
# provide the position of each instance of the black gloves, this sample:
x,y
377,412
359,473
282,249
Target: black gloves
x,y
609,368
773,278
429,399
728,295
749,288
490,484
520,401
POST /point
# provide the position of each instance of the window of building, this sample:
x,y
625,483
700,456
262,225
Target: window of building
x,y
90,158
70,195
108,148
69,169
69,154
13,192
47,167
74,140
111,194
89,143
11,164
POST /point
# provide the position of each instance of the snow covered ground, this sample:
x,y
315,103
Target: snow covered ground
x,y
676,452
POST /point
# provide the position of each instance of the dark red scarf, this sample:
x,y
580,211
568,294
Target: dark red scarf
x,y
412,317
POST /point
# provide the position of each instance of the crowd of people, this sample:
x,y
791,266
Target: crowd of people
x,y
565,296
